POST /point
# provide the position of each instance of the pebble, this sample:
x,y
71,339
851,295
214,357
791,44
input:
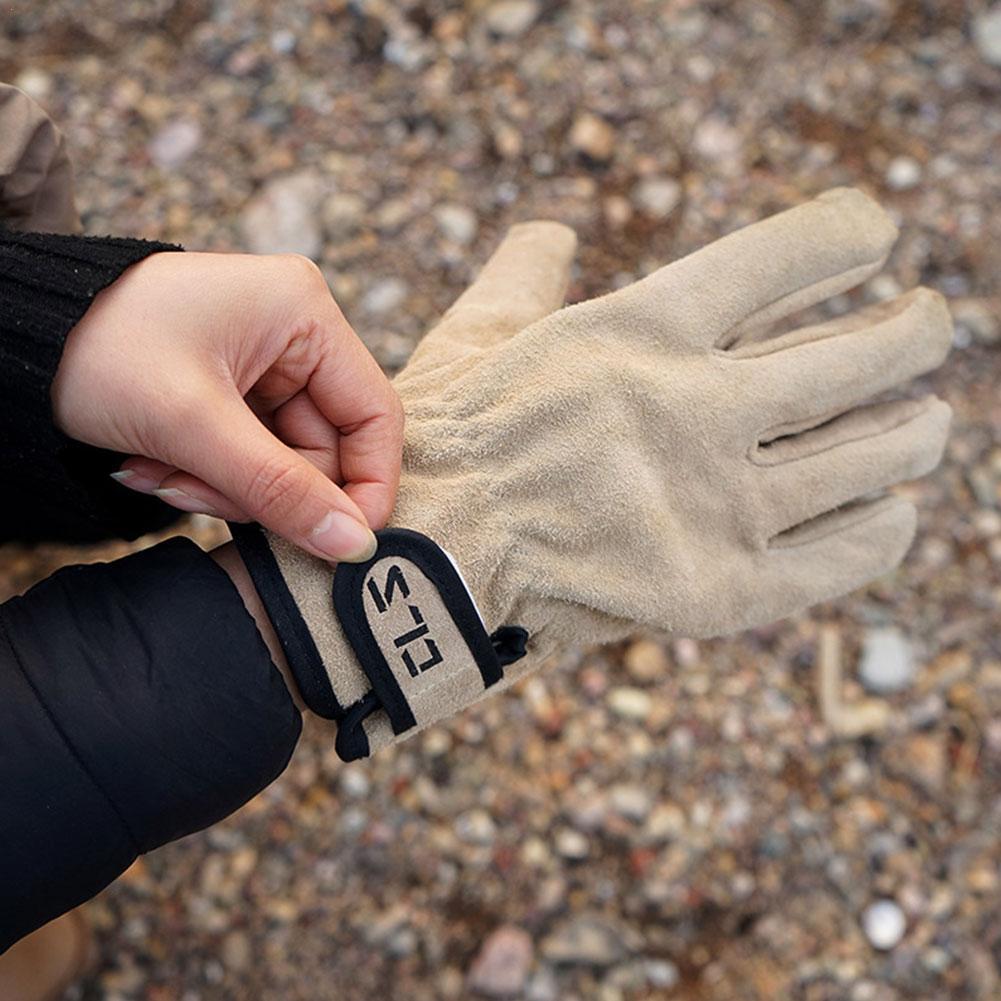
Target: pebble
x,y
630,801
35,82
887,663
342,214
282,217
585,941
175,142
457,223
987,34
571,844
657,197
630,703
646,661
501,967
385,295
512,17
237,951
716,139
903,173
884,924
977,319
593,137
476,827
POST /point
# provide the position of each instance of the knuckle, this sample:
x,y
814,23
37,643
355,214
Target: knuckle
x,y
303,269
275,489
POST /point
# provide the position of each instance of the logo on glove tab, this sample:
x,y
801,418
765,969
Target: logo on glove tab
x,y
416,634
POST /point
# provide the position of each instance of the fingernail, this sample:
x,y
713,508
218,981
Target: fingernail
x,y
184,501
131,479
344,538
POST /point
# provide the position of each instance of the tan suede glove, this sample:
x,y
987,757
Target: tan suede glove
x,y
650,458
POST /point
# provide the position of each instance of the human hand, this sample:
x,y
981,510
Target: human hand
x,y
240,390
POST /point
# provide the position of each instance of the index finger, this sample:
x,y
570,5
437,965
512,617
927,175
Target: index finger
x,y
352,392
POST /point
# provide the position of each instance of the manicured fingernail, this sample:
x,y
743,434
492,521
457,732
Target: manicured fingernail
x,y
131,479
344,538
184,501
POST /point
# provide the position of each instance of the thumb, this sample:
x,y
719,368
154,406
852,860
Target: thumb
x,y
525,279
238,456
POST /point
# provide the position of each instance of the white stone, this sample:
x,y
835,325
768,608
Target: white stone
x,y
903,173
175,142
385,295
457,222
987,35
35,82
512,17
283,216
887,663
657,197
884,924
475,827
571,844
630,703
501,967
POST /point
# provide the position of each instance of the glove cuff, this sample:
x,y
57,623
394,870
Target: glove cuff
x,y
400,633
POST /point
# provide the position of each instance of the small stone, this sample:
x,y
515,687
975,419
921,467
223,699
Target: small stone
x,y
584,941
512,17
501,967
543,986
987,35
887,664
617,210
175,142
282,217
457,223
571,844
476,827
630,703
716,139
903,173
35,82
974,316
342,214
631,802
882,287
355,783
593,137
646,661
385,295
662,973
236,951
657,197
884,924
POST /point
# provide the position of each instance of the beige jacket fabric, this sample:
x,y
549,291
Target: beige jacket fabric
x,y
36,178
657,457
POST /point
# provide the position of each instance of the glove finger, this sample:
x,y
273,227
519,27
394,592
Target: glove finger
x,y
867,450
525,279
823,370
766,271
836,553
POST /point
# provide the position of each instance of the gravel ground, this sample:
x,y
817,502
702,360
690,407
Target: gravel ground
x,y
810,811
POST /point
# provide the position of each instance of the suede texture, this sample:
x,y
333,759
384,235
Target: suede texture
x,y
654,458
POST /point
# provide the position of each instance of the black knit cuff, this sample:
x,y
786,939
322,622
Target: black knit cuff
x,y
57,489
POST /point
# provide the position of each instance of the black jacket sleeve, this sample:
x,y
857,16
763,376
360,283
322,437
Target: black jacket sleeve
x,y
138,703
55,488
